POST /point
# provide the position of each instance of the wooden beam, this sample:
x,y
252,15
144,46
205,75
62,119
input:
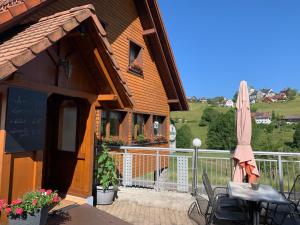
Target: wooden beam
x,y
53,56
101,67
51,89
170,101
149,32
107,97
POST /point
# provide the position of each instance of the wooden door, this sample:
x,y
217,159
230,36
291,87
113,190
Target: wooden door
x,y
69,151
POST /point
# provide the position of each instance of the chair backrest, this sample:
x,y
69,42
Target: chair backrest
x,y
294,194
208,188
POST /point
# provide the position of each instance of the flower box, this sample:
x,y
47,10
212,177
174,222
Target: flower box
x,y
37,218
31,209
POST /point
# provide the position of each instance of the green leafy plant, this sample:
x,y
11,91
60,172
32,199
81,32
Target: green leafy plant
x,y
106,170
113,141
30,203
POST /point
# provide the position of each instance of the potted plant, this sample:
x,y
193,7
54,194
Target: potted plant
x,y
32,209
106,177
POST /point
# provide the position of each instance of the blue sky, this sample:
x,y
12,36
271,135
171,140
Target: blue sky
x,y
217,43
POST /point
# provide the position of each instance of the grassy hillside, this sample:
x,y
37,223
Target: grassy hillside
x,y
284,108
192,118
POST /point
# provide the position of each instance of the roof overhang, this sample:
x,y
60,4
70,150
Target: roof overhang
x,y
156,37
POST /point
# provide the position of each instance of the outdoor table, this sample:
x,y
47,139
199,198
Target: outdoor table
x,y
265,193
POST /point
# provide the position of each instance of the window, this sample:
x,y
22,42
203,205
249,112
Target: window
x,y
103,124
114,120
67,126
158,125
138,125
111,123
135,58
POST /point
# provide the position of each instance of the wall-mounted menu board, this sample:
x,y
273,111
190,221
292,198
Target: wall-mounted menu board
x,y
25,120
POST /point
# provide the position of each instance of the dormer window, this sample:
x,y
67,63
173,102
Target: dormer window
x,y
135,58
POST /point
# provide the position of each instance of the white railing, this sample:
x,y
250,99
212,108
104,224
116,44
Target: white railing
x,y
171,169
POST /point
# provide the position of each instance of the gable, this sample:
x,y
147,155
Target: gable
x,y
23,46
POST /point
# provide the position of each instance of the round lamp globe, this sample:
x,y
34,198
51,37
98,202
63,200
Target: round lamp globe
x,y
197,142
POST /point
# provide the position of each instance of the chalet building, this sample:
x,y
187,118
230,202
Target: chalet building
x,y
75,72
262,117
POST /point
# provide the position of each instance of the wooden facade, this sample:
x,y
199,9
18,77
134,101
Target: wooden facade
x,y
84,64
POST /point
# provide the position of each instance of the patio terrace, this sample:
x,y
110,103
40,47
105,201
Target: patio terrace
x,y
155,185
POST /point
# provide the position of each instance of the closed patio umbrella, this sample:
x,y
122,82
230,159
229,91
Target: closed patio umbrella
x,y
243,155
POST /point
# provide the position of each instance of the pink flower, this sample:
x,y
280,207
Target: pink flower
x,y
34,202
42,190
16,202
48,192
55,199
19,211
8,210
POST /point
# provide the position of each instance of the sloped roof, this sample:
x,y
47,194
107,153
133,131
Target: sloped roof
x,y
22,47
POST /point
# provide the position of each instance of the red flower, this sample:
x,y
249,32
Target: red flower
x,y
16,202
55,199
34,202
19,211
48,192
42,190
8,210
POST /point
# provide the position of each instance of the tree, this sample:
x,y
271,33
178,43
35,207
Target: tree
x,y
222,132
234,99
296,138
291,93
184,137
209,114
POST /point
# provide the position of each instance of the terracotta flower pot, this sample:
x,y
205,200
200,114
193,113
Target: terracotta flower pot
x,y
38,218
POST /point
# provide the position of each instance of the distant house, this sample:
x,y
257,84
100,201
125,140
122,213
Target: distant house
x,y
203,100
291,119
262,117
229,103
251,90
260,95
253,97
269,99
193,99
268,92
280,97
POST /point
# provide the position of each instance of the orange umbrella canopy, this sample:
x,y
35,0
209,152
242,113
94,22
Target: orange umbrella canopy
x,y
243,155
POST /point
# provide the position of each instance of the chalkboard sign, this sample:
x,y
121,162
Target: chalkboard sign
x,y
25,120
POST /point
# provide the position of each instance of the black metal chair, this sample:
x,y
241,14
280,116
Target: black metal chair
x,y
285,213
218,206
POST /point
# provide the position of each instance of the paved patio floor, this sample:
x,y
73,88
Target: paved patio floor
x,y
149,207
146,215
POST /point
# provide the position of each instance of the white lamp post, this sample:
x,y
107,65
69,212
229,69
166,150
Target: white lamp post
x,y
197,144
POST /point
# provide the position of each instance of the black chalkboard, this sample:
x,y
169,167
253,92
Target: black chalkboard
x,y
25,120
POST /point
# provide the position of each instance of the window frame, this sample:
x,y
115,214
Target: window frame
x,y
107,126
141,53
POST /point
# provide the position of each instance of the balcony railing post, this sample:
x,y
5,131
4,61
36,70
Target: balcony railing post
x,y
124,167
157,168
194,170
280,171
